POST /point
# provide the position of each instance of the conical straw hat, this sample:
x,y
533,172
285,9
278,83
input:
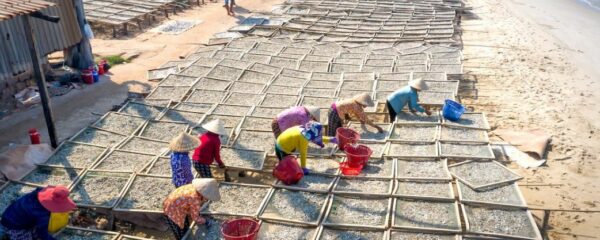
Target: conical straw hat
x,y
208,188
215,126
315,112
418,84
184,143
364,99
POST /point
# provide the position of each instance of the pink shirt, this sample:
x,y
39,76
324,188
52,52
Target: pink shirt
x,y
291,117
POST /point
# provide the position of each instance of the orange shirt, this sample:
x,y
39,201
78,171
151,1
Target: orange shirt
x,y
351,109
184,201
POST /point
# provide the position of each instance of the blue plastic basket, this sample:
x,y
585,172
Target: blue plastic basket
x,y
452,110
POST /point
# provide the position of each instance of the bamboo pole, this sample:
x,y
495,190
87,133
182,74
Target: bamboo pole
x,y
40,80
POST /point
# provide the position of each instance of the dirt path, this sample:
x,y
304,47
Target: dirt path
x,y
75,110
528,79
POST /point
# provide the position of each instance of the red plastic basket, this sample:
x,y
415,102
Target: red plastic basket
x,y
346,136
240,229
357,155
350,171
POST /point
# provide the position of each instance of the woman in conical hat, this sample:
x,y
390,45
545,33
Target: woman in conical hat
x,y
210,148
294,116
350,109
183,204
181,166
406,96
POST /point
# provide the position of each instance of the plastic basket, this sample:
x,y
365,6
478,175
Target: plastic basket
x,y
357,155
346,136
452,110
350,171
240,229
288,170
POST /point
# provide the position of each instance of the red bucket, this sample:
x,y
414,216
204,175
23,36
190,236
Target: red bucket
x,y
87,76
357,155
346,136
101,65
240,229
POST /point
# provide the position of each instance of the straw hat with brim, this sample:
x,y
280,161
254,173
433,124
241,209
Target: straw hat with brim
x,y
215,126
364,99
208,188
184,143
56,199
315,112
418,84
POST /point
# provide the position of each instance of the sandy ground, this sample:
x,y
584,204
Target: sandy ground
x,y
75,110
535,63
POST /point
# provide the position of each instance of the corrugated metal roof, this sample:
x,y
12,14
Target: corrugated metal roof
x,y
12,8
52,37
49,37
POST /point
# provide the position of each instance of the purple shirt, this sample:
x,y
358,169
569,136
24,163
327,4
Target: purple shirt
x,y
291,117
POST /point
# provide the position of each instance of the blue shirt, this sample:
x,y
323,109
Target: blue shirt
x,y
181,167
402,97
27,213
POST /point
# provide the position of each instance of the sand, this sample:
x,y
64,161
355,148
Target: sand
x,y
536,67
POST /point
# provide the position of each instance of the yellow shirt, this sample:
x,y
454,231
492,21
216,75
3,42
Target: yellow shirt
x,y
292,139
58,221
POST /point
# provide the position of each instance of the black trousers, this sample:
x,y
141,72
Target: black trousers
x,y
391,111
177,231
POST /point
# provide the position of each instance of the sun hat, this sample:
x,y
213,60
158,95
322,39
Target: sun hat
x,y
56,199
364,99
184,143
315,112
312,132
208,188
418,84
215,126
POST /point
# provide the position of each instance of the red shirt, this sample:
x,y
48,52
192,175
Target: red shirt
x,y
210,146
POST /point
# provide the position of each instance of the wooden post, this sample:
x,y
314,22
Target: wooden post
x,y
125,29
40,80
139,22
545,224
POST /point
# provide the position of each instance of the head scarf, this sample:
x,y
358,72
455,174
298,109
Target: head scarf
x,y
312,132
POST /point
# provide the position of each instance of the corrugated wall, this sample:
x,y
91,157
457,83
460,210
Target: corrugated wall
x,y
50,37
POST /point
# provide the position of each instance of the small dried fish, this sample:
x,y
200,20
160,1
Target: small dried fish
x,y
99,189
368,186
422,169
514,222
426,214
480,174
147,193
332,234
295,205
75,155
507,195
356,211
425,189
230,199
52,176
119,123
